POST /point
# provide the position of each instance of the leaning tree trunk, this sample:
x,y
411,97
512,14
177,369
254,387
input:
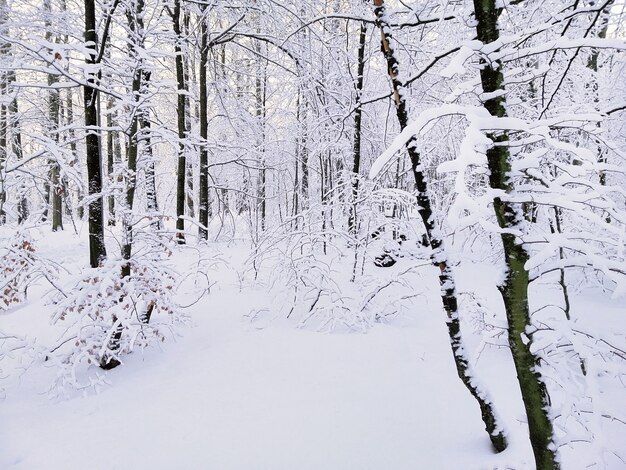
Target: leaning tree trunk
x,y
433,238
514,290
97,249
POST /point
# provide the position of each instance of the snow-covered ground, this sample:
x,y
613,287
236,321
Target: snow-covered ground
x,y
232,393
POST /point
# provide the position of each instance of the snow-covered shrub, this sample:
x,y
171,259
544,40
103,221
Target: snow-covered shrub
x,y
324,276
108,315
323,298
16,354
21,266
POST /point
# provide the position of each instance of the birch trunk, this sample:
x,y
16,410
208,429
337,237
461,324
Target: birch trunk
x,y
433,239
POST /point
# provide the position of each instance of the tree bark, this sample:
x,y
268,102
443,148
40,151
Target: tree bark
x,y
3,148
358,117
54,104
182,130
22,205
260,82
514,291
149,168
111,135
203,187
97,249
135,23
5,50
433,239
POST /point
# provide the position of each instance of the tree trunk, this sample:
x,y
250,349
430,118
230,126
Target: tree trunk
x,y
135,43
56,186
3,147
515,288
593,65
432,238
97,249
5,51
135,24
182,130
304,154
69,107
111,134
22,205
260,82
149,168
203,187
358,116
54,104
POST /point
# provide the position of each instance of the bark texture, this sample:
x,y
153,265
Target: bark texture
x,y
97,249
203,187
434,240
182,129
515,288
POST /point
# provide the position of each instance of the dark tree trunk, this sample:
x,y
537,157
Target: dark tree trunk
x,y
304,155
3,147
135,51
135,24
131,182
22,205
515,288
203,187
54,105
13,123
182,129
5,50
358,116
111,134
432,238
97,249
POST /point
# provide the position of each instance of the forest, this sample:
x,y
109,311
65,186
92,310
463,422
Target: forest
x,y
264,234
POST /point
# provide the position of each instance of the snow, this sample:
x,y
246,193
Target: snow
x,y
228,394
233,393
456,66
